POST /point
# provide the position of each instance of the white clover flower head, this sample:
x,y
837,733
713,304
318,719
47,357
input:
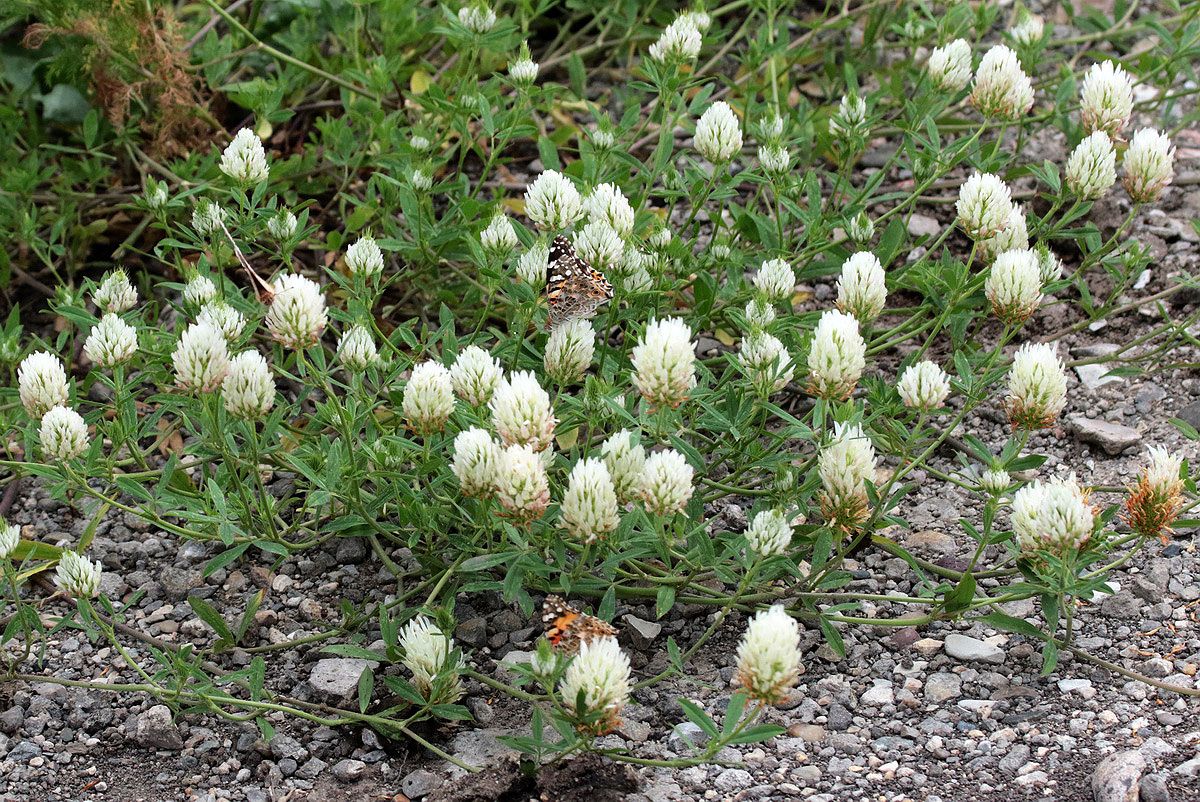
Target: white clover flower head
x,y
552,202
845,465
1106,98
1002,89
1037,387
223,317
759,314
1052,516
770,533
661,238
477,18
665,485
589,507
603,139
42,383
851,117
924,386
837,357
1049,266
476,462
531,265
608,204
664,363
1015,236
775,280
595,687
718,133
521,484
201,359
1149,165
949,66
698,18
639,280
356,349
475,375
429,652
418,142
861,289
632,261
199,290
1155,500
521,412
1014,286
768,658
861,228
10,538
625,460
420,180
77,576
297,315
115,294
524,70
244,160
995,481
428,399
680,42
569,350
63,434
1028,28
363,257
766,362
1092,167
1162,470
207,217
282,225
775,159
772,129
720,250
599,245
499,238
984,206
111,342
249,389
156,194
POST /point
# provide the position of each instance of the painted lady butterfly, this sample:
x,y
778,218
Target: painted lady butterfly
x,y
573,287
566,627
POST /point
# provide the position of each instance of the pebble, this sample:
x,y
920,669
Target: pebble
x,y
349,770
1116,777
942,687
962,647
419,783
155,729
337,677
1112,437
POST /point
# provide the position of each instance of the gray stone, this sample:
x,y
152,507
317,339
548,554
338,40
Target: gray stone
x,y
24,752
311,769
636,731
1116,777
1151,583
472,631
480,747
732,780
879,695
11,720
178,582
1078,685
351,550
839,718
642,632
931,541
1096,375
1189,768
1112,437
1121,605
1191,414
286,746
349,770
942,687
962,647
419,783
1157,667
686,737
156,730
1018,756
1153,788
481,711
337,677
920,225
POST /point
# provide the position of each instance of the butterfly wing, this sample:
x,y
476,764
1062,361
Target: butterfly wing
x,y
573,287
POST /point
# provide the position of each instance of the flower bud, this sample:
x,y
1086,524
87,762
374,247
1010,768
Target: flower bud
x,y
625,460
521,412
994,481
201,359
249,389
282,226
77,576
477,18
837,357
524,70
664,363
199,291
156,194
1092,167
1037,387
1155,500
770,533
596,686
207,217
845,465
680,42
1149,165
1014,286
775,280
718,134
521,484
476,463
1052,516
552,202
1028,28
10,538
984,206
665,485
429,654
115,294
861,229
861,290
364,258
924,386
949,66
297,315
420,180
42,383
244,160
1106,99
111,341
499,238
775,159
768,658
569,350
1002,89
766,363
589,507
1049,266
759,314
428,398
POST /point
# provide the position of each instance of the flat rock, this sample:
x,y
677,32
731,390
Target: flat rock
x,y
931,541
942,687
1116,777
337,677
642,631
349,770
419,783
1112,437
880,695
921,225
156,730
962,647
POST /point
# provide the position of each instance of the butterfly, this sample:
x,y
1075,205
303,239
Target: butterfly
x,y
566,627
573,287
